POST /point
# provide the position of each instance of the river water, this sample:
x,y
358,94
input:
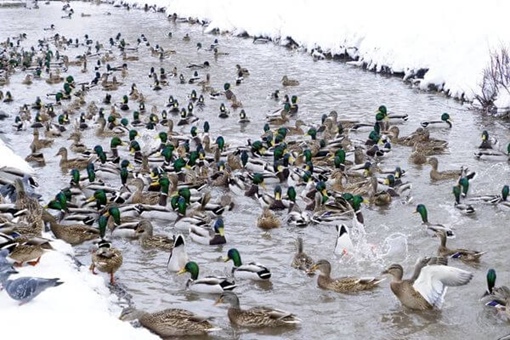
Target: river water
x,y
324,86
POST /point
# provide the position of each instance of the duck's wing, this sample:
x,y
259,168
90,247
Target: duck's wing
x,y
434,280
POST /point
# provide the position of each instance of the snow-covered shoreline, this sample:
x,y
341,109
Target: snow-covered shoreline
x,y
81,308
451,41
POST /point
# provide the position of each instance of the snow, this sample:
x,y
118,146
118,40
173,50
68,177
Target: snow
x,y
81,308
453,40
11,160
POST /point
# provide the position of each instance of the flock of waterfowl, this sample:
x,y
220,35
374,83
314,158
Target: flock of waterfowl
x,y
142,174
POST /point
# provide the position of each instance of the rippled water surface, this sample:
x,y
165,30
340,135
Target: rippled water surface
x,y
325,86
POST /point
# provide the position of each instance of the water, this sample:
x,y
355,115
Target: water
x,y
325,86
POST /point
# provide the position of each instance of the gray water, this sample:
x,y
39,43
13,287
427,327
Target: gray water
x,y
325,86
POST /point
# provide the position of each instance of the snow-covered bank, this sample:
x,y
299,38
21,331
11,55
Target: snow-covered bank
x,y
81,308
451,40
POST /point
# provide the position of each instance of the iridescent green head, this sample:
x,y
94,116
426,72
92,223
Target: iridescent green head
x,y
233,254
192,268
491,280
422,210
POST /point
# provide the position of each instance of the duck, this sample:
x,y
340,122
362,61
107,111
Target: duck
x,y
464,208
496,297
106,258
207,284
268,220
286,81
73,163
209,236
252,270
260,316
301,260
27,250
491,285
178,255
148,240
426,289
446,121
36,158
171,322
74,234
349,284
422,210
38,144
343,244
436,175
492,154
465,255
488,142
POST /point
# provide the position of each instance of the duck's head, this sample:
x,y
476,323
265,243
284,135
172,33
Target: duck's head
x,y
91,172
504,192
220,141
102,222
226,86
323,266
75,176
219,226
422,210
491,280
233,254
394,270
192,268
134,147
445,117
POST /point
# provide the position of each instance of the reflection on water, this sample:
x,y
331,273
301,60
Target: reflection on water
x,y
391,235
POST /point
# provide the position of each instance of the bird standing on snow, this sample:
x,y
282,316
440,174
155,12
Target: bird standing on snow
x,y
24,289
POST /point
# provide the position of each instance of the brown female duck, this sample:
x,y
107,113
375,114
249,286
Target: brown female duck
x,y
427,287
348,284
73,163
437,175
465,255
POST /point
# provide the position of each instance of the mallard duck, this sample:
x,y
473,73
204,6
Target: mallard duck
x,y
436,175
464,208
491,285
465,255
36,158
76,163
488,142
446,121
34,211
347,284
73,234
260,316
144,230
106,259
38,144
252,270
496,297
493,154
209,236
178,255
170,322
29,251
208,284
426,289
268,220
422,210
343,244
301,260
286,81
